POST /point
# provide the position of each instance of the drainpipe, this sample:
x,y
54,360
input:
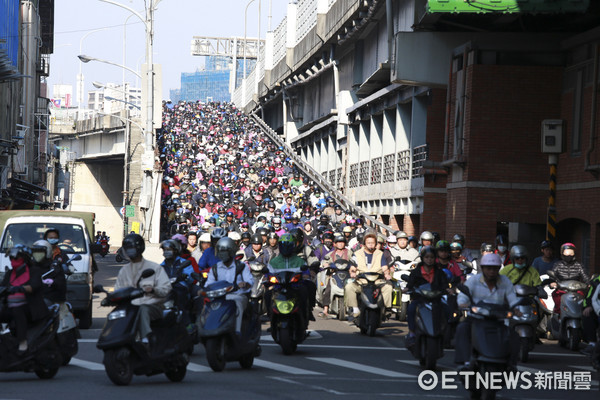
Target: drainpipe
x,y
588,154
390,29
448,109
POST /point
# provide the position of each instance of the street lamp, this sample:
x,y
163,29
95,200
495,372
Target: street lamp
x,y
100,85
80,88
148,166
87,59
110,98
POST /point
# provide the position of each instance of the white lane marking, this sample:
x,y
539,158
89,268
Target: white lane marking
x,y
283,368
583,367
86,364
87,340
311,335
198,368
360,367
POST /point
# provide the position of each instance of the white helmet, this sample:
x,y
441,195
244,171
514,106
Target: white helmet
x,y
42,246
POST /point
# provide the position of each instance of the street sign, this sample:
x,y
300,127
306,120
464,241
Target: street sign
x,y
129,211
122,211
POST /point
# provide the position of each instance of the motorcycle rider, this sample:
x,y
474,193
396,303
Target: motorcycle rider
x,y
235,272
339,252
55,288
590,320
325,247
567,268
52,235
209,256
519,271
256,252
442,249
426,239
192,246
367,259
406,252
426,271
272,245
490,287
25,301
156,287
502,249
545,262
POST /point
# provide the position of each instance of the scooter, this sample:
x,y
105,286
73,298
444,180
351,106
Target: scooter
x,y
400,300
430,323
490,343
288,321
67,333
257,293
119,255
217,330
566,326
526,318
104,247
370,303
338,280
124,355
43,353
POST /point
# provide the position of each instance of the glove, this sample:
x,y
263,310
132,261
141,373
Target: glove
x,y
16,289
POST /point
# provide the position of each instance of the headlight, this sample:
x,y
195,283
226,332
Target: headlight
x,y
216,293
81,278
480,310
284,306
117,314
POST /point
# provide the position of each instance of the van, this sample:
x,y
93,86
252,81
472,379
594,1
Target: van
x,y
76,231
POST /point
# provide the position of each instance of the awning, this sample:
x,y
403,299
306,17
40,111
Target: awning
x,y
21,185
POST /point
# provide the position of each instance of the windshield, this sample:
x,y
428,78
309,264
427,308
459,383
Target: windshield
x,y
72,239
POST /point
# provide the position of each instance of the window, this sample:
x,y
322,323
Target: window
x,y
72,238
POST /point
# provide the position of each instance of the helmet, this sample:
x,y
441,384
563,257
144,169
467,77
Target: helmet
x,y
276,220
226,249
545,244
256,239
273,235
216,235
501,240
229,214
327,235
442,245
426,235
347,229
391,239
181,238
455,246
566,246
246,235
324,219
234,236
518,251
262,231
134,245
287,245
381,238
425,250
170,244
298,235
487,247
458,238
20,250
491,260
43,248
401,234
340,238
204,238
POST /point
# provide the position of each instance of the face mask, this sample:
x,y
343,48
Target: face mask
x,y
38,257
131,252
502,249
168,254
53,241
568,259
520,266
224,256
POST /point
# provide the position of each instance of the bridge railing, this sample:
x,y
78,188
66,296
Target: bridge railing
x,y
322,181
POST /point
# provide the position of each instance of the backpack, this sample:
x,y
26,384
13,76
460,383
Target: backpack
x,y
239,268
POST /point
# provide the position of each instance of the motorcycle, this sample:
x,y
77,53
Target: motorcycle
x,y
566,326
43,354
430,323
400,299
217,329
525,321
370,303
67,333
257,293
338,280
490,342
169,343
119,255
104,247
288,319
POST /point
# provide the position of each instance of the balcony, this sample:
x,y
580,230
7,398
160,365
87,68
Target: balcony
x,y
43,66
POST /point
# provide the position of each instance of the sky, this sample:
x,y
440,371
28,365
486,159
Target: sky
x,y
176,22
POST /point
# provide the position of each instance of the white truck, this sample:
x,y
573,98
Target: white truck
x,y
76,231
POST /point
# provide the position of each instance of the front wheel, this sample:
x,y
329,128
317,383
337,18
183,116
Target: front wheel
x,y
403,311
118,258
46,373
85,317
372,320
341,309
176,374
430,352
247,360
574,337
524,350
215,354
117,364
288,346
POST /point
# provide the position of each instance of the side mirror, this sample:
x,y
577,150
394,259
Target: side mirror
x,y
464,289
147,273
404,277
98,289
95,248
76,257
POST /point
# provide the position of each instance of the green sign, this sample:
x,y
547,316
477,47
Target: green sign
x,y
130,211
507,6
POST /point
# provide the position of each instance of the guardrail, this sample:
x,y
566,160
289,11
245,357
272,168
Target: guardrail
x,y
320,180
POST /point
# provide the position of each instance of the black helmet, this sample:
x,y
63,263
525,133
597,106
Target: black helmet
x,y
324,219
173,244
133,241
217,234
458,238
442,245
545,244
328,235
501,239
273,235
20,250
298,235
226,249
487,247
287,245
256,239
262,231
246,235
425,250
518,251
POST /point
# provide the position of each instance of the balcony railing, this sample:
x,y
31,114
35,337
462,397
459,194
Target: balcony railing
x,y
376,171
